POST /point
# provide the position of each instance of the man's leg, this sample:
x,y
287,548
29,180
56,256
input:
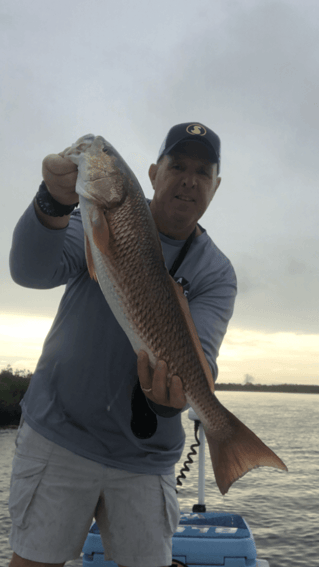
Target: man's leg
x,y
18,561
52,501
137,516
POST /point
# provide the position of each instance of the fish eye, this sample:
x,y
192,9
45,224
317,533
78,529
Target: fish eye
x,y
105,150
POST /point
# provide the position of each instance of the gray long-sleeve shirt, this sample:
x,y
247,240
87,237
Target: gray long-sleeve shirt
x,y
80,394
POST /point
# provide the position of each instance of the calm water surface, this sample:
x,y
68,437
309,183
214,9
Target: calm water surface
x,y
281,508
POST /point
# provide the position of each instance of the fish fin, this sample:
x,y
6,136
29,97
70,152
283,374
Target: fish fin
x,y
191,325
100,231
89,259
238,453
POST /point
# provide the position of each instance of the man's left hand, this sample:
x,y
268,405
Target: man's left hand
x,y
159,392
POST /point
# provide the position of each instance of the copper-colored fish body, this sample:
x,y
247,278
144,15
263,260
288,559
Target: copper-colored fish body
x,y
124,254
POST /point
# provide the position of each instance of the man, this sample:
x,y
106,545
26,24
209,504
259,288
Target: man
x,y
83,450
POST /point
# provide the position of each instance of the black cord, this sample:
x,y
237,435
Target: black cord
x,y
189,460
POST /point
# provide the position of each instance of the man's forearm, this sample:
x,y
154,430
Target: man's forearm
x,y
37,255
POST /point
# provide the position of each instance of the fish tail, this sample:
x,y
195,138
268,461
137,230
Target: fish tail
x,y
238,452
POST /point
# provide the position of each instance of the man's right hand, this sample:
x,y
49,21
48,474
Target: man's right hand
x,y
59,175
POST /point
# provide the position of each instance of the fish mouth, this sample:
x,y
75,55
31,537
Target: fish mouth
x,y
99,177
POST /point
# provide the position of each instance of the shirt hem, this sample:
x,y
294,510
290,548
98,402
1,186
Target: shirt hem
x,y
62,442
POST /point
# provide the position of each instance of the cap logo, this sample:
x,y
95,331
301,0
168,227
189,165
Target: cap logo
x,y
197,129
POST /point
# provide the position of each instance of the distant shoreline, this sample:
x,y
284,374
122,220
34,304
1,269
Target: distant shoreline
x,y
231,387
280,388
13,386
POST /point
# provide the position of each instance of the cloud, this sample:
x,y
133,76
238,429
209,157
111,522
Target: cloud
x,y
129,72
269,357
251,77
278,289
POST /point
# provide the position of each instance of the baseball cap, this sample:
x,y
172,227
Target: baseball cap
x,y
196,132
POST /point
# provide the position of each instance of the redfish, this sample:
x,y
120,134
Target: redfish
x,y
124,254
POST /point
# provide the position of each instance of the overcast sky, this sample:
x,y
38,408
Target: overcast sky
x,y
129,71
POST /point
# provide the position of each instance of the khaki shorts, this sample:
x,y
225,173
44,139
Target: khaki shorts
x,y
55,495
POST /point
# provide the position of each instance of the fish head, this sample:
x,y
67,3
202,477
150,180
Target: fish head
x,y
103,176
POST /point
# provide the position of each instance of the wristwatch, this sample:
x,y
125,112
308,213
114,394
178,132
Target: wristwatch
x,y
49,206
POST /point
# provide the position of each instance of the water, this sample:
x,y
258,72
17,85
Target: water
x,y
281,508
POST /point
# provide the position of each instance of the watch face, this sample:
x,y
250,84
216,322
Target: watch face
x,y
49,206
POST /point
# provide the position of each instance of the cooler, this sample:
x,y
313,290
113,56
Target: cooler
x,y
202,539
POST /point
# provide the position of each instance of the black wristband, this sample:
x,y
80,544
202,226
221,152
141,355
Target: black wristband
x,y
49,206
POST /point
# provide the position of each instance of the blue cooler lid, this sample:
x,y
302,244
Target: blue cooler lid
x,y
214,538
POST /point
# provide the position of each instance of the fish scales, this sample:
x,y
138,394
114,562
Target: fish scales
x,y
133,262
124,254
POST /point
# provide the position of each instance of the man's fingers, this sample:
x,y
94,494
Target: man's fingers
x,y
63,182
177,395
58,165
60,177
159,386
160,391
143,370
62,154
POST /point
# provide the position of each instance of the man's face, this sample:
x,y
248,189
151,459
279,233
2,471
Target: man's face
x,y
184,184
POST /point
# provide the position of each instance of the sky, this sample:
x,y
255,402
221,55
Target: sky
x,y
131,70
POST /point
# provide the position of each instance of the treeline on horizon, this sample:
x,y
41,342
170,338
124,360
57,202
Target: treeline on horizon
x,y
283,388
13,386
